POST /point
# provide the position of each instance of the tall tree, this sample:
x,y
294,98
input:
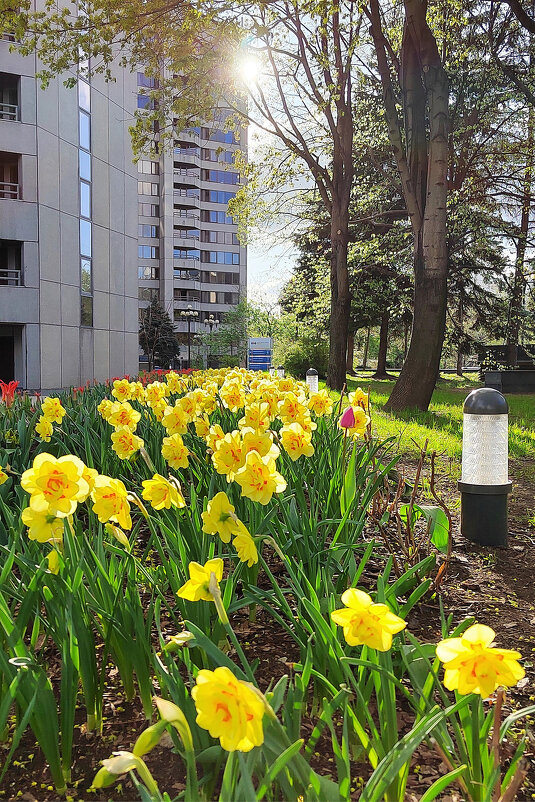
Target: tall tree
x,y
420,149
157,336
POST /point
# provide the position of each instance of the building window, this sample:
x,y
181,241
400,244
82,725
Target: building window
x,y
84,96
220,257
148,273
85,199
211,155
149,209
215,135
221,237
144,166
220,176
186,253
85,276
86,311
220,277
84,160
211,216
146,188
9,97
9,176
187,233
148,251
145,230
10,263
216,196
187,274
144,80
148,293
85,135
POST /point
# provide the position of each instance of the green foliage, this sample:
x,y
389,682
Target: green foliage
x,y
157,336
304,353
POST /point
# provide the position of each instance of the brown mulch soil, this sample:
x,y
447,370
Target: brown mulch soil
x,y
495,586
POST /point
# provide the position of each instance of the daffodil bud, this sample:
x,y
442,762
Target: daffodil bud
x,y
173,715
149,738
103,778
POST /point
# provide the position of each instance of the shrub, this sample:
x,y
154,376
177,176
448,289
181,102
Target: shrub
x,y
305,353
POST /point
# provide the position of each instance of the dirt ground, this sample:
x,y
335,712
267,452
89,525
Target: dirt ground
x,y
496,586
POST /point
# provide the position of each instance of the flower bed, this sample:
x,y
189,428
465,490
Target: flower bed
x,y
141,520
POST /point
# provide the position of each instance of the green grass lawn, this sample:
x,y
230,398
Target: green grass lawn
x,y
441,425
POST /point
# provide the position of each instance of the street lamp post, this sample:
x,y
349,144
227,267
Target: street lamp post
x,y
189,314
212,322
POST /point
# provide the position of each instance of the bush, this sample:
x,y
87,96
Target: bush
x,y
305,353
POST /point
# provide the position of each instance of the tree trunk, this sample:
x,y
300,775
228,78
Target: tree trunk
x,y
340,296
422,160
460,326
350,352
366,349
405,339
380,372
517,295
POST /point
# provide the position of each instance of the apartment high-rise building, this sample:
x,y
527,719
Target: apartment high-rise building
x,y
87,237
68,227
189,253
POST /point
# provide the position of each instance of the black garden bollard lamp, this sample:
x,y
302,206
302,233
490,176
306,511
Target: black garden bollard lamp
x,y
484,483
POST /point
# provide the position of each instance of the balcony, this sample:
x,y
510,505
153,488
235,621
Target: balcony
x,y
186,218
10,188
184,198
186,156
9,97
187,177
11,264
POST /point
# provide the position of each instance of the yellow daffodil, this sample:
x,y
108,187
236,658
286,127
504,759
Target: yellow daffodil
x,y
175,420
122,390
259,478
359,399
197,586
320,403
244,544
174,382
258,441
256,417
110,501
89,474
291,408
3,476
188,403
219,517
118,534
175,452
296,441
306,422
366,622
52,410
137,392
473,665
105,408
42,526
161,493
44,429
202,426
155,392
125,442
123,414
227,457
55,485
232,396
229,709
215,434
159,408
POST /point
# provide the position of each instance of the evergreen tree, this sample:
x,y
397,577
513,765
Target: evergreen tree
x,y
157,336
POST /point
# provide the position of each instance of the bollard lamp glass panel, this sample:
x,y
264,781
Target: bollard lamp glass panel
x,y
312,380
485,449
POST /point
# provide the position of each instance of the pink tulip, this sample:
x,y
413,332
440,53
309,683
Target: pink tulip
x,y
347,421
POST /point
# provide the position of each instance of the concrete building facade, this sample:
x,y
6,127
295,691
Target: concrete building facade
x,y
87,237
68,227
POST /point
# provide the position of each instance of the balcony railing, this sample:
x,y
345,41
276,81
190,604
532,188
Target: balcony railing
x,y
11,277
10,191
187,213
187,151
190,172
8,111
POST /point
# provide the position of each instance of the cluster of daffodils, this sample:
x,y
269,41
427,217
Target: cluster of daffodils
x,y
472,664
51,412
